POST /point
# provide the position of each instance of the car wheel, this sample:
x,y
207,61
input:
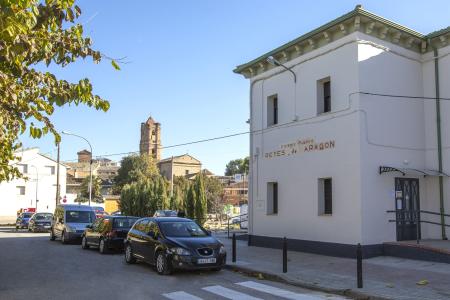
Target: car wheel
x,y
162,265
84,244
52,235
63,237
129,258
102,247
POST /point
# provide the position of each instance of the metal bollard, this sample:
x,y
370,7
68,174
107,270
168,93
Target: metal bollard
x,y
233,254
417,227
359,266
284,255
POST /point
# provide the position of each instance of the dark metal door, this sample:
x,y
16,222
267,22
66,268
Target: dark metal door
x,y
407,204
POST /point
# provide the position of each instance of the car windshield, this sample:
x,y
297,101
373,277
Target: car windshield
x,y
43,217
166,213
124,222
182,229
74,216
27,215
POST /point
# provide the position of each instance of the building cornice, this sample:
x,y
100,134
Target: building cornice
x,y
356,20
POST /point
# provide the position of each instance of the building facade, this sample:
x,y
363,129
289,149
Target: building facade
x,y
36,190
103,168
150,143
346,143
182,165
235,193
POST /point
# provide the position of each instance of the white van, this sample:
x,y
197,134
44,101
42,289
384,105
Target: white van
x,y
69,222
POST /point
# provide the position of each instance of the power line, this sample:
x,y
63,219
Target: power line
x,y
290,124
176,145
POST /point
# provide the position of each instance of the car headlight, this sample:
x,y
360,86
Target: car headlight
x,y
179,251
70,229
222,250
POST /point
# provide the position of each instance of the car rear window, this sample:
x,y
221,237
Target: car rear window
x,y
124,222
46,217
27,215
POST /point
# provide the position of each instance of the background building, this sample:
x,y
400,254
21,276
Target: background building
x,y
150,143
39,184
103,168
182,165
235,194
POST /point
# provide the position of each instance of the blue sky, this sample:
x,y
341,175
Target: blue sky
x,y
181,55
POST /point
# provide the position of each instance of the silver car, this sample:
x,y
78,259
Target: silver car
x,y
70,221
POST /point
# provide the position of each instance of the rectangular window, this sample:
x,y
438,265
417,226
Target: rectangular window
x,y
50,170
20,190
272,110
23,168
323,95
325,196
272,198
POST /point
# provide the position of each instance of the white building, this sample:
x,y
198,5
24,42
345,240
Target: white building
x,y
344,129
39,183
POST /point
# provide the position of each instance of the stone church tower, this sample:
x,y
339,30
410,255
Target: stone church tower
x,y
150,143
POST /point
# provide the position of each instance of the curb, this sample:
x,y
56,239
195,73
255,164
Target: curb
x,y
279,278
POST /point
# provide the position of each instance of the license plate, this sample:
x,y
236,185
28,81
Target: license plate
x,y
46,226
206,261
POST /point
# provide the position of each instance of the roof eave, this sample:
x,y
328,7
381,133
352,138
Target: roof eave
x,y
358,11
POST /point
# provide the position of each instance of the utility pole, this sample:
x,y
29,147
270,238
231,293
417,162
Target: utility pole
x,y
57,178
90,162
37,184
171,178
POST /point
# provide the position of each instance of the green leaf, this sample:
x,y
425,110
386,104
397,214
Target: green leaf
x,y
77,11
35,10
32,33
115,65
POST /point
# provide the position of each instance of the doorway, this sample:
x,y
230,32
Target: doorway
x,y
407,204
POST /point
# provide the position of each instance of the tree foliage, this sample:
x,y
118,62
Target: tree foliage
x,y
143,197
214,194
237,166
190,202
96,197
134,168
33,34
180,190
200,203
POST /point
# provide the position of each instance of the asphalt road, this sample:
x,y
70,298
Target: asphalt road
x,y
33,267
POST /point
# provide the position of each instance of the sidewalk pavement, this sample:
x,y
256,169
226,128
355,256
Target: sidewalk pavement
x,y
384,277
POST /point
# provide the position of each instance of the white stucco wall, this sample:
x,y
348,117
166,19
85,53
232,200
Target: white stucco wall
x,y
11,202
392,130
374,131
297,175
432,184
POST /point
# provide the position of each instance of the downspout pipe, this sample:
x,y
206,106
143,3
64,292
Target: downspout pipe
x,y
439,141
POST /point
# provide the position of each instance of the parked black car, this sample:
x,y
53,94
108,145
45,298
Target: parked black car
x,y
107,233
40,222
173,243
